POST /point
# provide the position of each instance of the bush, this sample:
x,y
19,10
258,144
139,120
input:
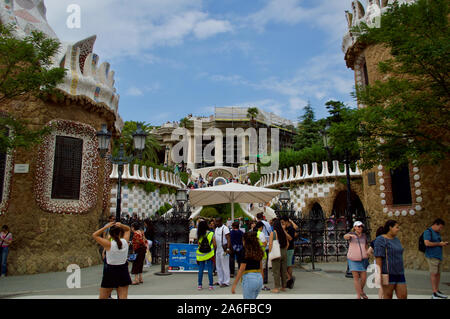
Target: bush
x,y
209,212
149,187
163,190
184,177
163,209
222,210
254,177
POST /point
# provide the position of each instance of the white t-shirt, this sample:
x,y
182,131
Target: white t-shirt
x,y
218,234
266,230
116,256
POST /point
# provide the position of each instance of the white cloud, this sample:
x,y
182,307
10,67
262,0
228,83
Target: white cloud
x,y
127,28
328,15
211,27
134,91
278,11
320,77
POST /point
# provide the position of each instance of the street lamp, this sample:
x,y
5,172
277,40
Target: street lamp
x,y
181,197
284,197
349,213
104,140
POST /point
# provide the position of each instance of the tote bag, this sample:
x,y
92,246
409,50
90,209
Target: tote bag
x,y
275,252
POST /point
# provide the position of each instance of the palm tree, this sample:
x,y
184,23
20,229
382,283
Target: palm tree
x,y
152,146
252,113
184,122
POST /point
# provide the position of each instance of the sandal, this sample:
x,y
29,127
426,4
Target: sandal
x,y
275,291
364,296
135,283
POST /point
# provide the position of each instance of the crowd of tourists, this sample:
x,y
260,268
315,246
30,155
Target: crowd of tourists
x,y
256,248
208,181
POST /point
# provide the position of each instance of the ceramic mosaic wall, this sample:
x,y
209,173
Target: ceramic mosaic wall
x,y
136,200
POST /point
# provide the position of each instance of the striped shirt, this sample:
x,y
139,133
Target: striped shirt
x,y
394,255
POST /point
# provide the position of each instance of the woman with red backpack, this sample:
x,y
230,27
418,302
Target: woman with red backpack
x,y
139,243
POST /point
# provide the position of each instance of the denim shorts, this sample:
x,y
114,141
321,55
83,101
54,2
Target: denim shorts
x,y
358,265
290,257
252,284
397,279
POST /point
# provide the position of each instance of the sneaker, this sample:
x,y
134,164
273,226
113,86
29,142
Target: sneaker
x,y
224,285
265,288
440,295
211,288
199,288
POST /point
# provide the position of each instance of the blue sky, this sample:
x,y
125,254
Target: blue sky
x,y
175,57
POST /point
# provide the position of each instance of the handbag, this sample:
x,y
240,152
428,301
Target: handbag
x,y
276,251
385,277
224,246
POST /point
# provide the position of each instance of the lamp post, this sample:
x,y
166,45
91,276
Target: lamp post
x,y
104,141
349,213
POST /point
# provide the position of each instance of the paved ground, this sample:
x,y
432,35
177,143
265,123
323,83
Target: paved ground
x,y
329,283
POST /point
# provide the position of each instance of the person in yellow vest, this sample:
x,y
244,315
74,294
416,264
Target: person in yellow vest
x,y
264,244
205,253
251,270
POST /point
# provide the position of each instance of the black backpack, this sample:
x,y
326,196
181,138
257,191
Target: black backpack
x,y
205,246
422,246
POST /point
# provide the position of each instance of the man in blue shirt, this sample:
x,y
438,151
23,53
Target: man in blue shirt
x,y
433,254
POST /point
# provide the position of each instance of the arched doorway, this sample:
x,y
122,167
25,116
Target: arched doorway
x,y
317,228
340,205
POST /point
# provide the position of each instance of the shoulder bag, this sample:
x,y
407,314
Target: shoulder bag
x,y
385,277
224,246
275,252
3,240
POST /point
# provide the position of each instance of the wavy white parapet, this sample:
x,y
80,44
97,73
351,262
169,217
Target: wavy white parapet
x,y
370,14
147,174
297,174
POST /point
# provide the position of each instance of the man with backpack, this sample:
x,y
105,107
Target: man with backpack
x,y
205,253
432,244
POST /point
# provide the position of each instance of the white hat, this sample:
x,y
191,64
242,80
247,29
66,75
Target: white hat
x,y
358,223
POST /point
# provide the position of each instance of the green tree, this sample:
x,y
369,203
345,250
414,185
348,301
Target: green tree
x,y
25,69
252,113
152,146
184,122
344,130
407,116
308,130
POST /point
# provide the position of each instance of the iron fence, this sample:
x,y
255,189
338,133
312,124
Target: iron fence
x,y
321,239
